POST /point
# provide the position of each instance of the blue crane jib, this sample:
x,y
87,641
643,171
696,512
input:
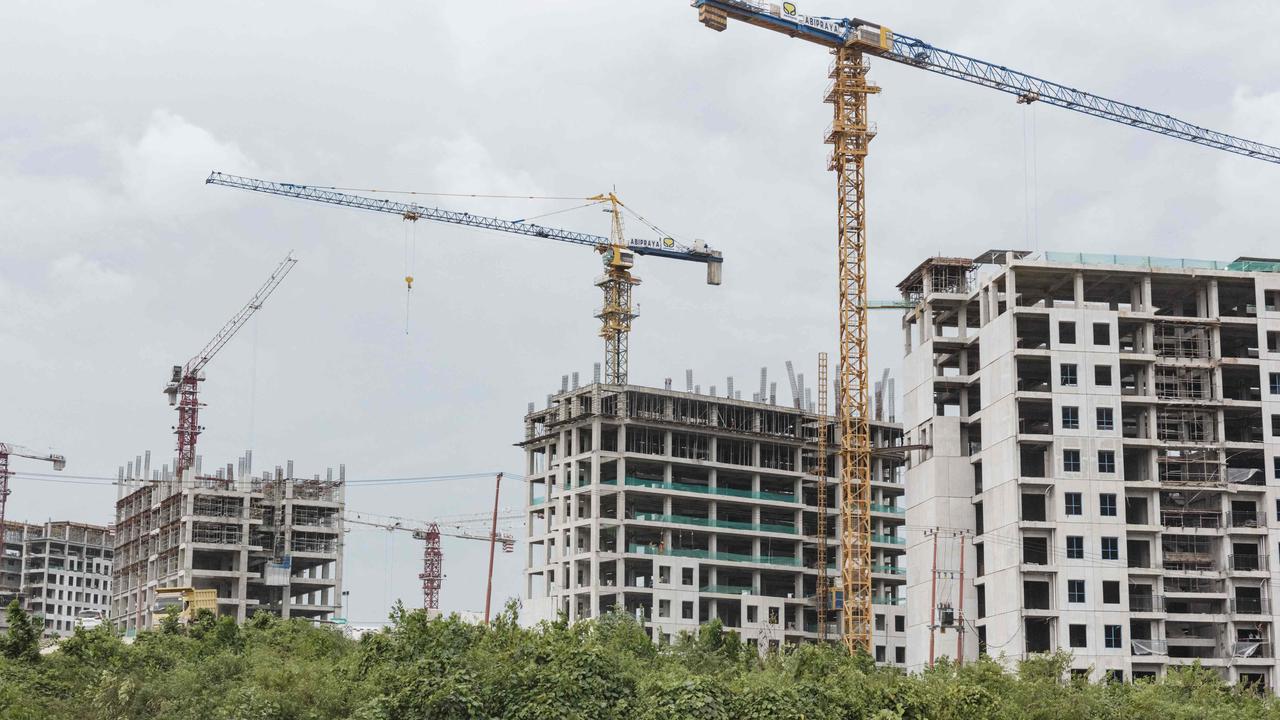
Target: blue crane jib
x,y
665,247
882,42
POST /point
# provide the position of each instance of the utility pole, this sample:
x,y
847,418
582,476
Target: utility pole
x,y
493,543
933,595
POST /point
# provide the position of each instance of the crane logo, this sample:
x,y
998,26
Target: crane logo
x,y
668,242
789,9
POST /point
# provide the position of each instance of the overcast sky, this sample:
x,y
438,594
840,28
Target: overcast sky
x,y
117,262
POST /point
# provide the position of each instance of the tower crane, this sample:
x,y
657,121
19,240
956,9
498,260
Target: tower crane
x,y
432,575
617,251
183,388
850,133
9,449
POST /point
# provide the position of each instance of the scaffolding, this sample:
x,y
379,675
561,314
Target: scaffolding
x,y
215,533
938,275
1189,467
216,506
1190,426
1182,341
1183,383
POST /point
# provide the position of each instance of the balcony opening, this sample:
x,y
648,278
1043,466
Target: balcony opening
x,y
1246,467
1033,332
1175,296
1135,422
1249,600
1133,379
1137,464
1244,514
1136,511
1039,634
1241,382
1036,595
1033,458
1142,599
1035,551
1139,553
1035,374
1131,337
1239,342
1237,298
1035,417
1033,507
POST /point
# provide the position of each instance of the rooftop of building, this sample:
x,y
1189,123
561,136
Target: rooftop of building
x,y
1127,262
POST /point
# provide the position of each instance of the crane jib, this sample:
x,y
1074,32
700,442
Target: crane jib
x,y
837,32
411,211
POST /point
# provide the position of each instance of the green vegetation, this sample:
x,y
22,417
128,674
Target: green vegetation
x,y
445,668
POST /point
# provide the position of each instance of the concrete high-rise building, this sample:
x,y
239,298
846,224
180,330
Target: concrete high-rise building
x,y
1105,445
271,542
57,571
682,507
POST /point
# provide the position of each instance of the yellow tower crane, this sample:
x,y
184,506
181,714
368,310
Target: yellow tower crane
x,y
850,133
617,251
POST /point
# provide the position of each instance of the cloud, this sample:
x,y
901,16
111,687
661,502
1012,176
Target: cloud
x,y
76,276
163,169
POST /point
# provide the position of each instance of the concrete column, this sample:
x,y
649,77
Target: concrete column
x,y
1078,290
1146,294
1010,289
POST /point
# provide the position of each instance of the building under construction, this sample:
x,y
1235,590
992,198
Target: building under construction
x,y
1104,438
58,571
683,507
268,542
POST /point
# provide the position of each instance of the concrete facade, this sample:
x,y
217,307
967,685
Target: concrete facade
x,y
683,507
1105,435
267,543
57,570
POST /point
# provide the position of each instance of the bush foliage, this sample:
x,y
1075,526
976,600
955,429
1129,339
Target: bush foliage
x,y
444,668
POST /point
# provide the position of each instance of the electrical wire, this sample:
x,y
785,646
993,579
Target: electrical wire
x,y
444,194
105,480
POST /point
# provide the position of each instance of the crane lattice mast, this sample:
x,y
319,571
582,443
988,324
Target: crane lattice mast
x,y
822,590
183,388
848,40
617,252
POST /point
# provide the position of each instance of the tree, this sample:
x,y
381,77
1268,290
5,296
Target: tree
x,y
22,642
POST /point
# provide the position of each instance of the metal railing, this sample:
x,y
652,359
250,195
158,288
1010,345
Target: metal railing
x,y
1250,649
730,589
1146,603
1247,563
1251,606
712,522
707,490
1247,519
708,555
1149,647
1190,519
